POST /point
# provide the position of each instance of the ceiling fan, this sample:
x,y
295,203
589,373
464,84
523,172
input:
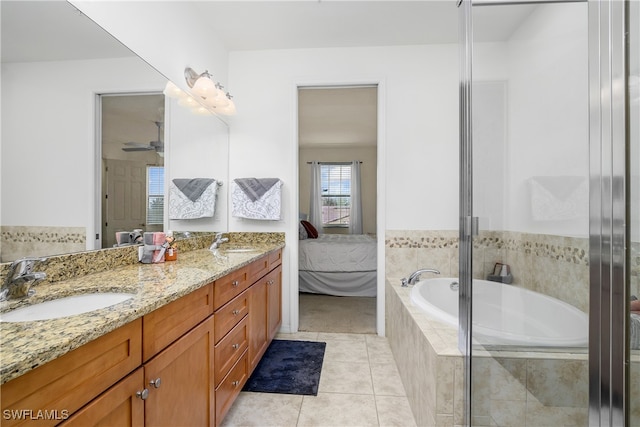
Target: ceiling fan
x,y
157,145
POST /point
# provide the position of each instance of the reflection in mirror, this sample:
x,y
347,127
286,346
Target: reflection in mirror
x,y
132,142
199,149
55,64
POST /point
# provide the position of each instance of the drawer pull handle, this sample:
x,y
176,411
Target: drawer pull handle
x,y
236,312
143,394
235,283
235,346
156,383
270,282
235,383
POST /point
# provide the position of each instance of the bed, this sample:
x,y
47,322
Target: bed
x,y
338,264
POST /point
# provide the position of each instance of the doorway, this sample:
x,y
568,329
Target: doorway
x,y
337,126
131,135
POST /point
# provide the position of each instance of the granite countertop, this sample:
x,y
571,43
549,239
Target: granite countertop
x,y
27,345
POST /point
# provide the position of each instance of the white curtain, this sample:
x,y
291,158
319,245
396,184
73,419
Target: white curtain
x,y
355,219
315,199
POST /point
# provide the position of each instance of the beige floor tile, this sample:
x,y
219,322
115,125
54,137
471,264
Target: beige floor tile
x,y
345,377
335,409
394,411
264,409
386,380
379,350
346,351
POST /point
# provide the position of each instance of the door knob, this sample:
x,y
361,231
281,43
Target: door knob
x,y
156,383
143,394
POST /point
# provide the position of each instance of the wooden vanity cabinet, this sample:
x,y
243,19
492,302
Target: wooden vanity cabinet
x,y
182,364
265,313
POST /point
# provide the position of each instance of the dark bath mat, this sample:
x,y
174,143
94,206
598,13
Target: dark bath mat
x,y
288,367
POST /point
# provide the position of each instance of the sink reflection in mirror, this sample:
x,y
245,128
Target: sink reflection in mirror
x,y
64,307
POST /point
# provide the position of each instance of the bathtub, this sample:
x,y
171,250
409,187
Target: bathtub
x,y
506,314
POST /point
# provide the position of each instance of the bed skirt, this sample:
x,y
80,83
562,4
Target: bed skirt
x,y
351,284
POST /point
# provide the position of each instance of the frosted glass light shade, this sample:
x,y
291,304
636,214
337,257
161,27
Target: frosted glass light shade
x,y
187,101
229,109
204,87
172,91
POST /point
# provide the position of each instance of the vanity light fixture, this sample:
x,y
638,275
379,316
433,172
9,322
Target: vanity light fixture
x,y
209,92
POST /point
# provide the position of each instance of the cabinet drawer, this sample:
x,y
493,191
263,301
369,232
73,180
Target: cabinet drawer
x,y
166,324
275,259
229,349
229,286
230,314
258,268
231,387
65,384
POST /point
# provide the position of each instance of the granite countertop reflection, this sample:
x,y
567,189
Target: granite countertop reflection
x,y
27,345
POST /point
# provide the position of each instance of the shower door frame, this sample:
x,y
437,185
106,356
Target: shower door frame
x,y
608,207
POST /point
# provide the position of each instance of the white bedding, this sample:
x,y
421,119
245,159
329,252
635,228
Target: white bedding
x,y
338,253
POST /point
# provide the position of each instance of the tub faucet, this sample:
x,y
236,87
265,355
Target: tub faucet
x,y
415,276
21,278
219,240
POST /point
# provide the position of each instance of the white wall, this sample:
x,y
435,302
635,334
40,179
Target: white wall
x,y
418,133
48,136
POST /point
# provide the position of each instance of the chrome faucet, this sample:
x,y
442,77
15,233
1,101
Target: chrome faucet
x,y
21,278
415,276
219,240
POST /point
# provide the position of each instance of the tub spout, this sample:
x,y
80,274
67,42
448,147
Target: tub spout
x,y
415,276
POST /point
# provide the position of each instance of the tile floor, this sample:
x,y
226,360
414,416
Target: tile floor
x,y
359,386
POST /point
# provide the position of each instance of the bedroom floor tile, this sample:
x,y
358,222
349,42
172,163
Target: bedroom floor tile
x,y
364,390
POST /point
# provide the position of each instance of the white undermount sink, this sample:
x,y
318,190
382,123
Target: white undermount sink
x,y
63,307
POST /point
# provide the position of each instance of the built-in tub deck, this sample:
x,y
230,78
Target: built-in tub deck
x,y
511,385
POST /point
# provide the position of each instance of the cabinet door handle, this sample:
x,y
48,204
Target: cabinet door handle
x,y
235,346
235,383
143,394
235,283
236,312
270,282
156,383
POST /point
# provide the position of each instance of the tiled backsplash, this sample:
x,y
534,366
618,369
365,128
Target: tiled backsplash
x,y
66,266
21,241
552,265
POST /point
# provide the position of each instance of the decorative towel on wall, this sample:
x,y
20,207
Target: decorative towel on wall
x,y
255,198
192,198
556,198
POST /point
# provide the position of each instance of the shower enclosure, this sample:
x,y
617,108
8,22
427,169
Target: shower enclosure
x,y
549,201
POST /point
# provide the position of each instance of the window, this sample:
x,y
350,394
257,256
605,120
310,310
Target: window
x,y
155,194
335,179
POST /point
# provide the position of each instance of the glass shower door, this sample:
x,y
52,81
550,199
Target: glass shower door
x,y
528,227
633,94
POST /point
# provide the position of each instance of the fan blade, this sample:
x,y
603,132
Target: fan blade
x,y
138,148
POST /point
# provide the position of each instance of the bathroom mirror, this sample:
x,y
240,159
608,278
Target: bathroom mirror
x,y
56,63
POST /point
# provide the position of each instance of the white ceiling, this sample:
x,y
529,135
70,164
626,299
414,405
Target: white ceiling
x,y
345,116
